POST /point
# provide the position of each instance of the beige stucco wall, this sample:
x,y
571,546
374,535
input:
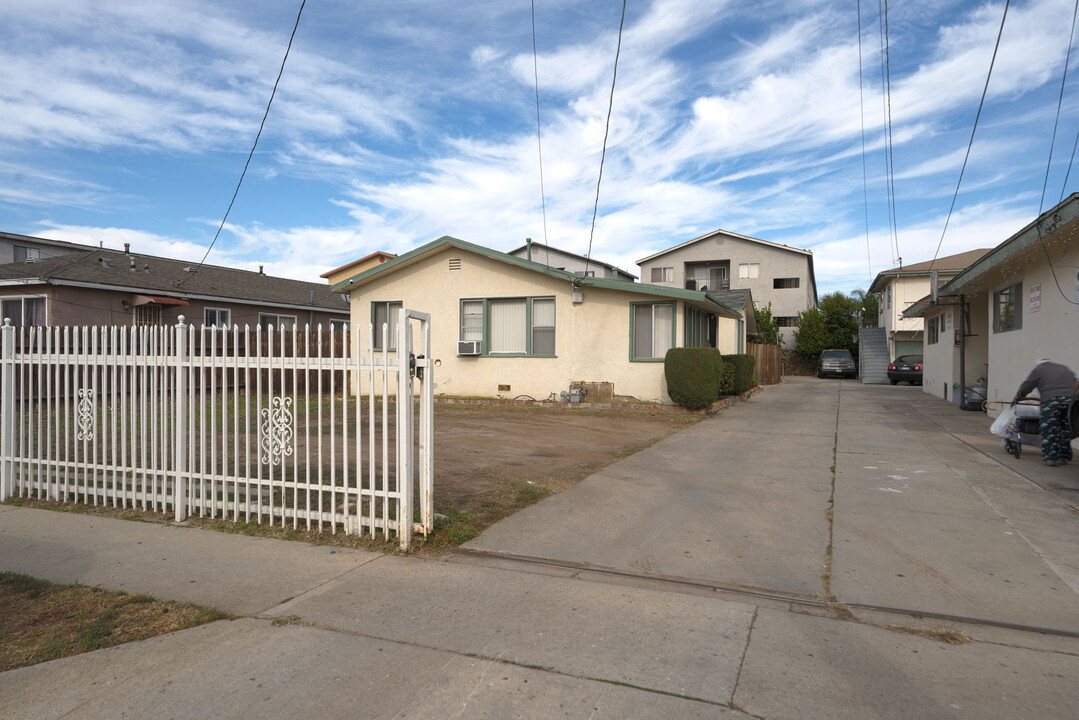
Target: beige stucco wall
x,y
592,339
774,263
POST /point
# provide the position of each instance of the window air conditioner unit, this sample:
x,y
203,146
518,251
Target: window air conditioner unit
x,y
468,347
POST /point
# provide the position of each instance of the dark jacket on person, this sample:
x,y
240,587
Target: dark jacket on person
x,y
1052,380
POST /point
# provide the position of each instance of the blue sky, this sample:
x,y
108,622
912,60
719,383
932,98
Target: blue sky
x,y
399,121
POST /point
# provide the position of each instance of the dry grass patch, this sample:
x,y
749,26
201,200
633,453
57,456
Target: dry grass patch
x,y
42,621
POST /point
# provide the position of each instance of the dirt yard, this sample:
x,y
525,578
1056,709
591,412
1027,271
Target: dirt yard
x,y
492,460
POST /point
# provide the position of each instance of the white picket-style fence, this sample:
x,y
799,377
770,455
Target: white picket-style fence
x,y
298,428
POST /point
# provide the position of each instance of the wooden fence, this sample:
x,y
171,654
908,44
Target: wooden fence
x,y
769,363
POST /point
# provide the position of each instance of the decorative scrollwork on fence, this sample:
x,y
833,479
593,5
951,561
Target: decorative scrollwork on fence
x,y
87,416
275,435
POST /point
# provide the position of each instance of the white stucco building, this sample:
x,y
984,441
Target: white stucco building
x,y
1017,303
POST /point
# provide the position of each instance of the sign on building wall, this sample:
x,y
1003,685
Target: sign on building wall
x,y
1035,297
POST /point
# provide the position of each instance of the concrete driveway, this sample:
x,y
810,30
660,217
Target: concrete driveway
x,y
872,494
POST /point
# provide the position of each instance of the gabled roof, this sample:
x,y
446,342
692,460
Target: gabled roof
x,y
383,257
111,270
540,247
951,264
712,234
1059,224
424,251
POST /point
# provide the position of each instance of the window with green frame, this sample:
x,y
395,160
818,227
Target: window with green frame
x,y
510,326
651,331
696,330
932,334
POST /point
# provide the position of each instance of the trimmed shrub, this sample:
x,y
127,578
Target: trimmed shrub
x,y
726,380
693,376
744,367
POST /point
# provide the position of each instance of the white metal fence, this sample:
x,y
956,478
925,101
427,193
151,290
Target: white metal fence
x,y
300,428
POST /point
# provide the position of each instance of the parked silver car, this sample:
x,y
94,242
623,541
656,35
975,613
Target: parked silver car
x,y
836,363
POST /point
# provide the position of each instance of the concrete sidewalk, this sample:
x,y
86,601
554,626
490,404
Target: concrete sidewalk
x,y
920,513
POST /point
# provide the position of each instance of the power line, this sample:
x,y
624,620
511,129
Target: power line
x,y
1060,102
266,114
886,71
539,135
606,131
970,143
1049,163
865,178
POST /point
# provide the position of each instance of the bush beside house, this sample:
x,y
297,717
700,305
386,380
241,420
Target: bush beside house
x,y
744,366
693,376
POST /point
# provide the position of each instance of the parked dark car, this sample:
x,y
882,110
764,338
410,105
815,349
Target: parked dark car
x,y
836,363
906,367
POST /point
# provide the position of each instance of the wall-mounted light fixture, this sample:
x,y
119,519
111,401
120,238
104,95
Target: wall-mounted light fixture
x,y
127,305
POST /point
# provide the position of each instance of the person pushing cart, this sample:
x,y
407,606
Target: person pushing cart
x,y
1056,383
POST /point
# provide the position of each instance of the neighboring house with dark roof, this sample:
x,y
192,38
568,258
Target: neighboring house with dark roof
x,y
570,262
507,326
356,267
88,286
722,260
902,287
1014,304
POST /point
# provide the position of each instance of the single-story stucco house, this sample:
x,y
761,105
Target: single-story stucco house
x,y
504,326
1017,303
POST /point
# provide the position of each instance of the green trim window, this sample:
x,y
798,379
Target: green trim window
x,y
932,334
1007,312
696,331
384,313
651,331
523,327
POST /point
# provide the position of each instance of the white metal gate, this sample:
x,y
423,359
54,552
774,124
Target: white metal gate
x,y
303,428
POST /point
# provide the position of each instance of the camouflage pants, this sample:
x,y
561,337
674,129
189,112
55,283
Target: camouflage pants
x,y
1055,429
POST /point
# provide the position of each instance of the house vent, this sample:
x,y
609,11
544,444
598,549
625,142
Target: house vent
x,y
455,263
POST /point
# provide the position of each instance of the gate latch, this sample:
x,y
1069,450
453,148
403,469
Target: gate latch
x,y
413,370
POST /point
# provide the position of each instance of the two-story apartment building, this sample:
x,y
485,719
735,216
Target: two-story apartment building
x,y
722,260
902,287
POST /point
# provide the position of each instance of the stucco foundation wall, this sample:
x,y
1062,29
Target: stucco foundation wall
x,y
592,339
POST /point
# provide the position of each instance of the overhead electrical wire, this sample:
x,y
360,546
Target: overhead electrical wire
x,y
1067,175
539,134
973,130
251,154
1049,162
886,72
606,132
1056,120
865,177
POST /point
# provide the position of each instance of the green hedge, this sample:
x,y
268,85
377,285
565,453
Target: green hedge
x,y
744,367
726,380
693,376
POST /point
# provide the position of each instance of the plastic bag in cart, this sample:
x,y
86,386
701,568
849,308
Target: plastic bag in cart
x,y
1006,418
